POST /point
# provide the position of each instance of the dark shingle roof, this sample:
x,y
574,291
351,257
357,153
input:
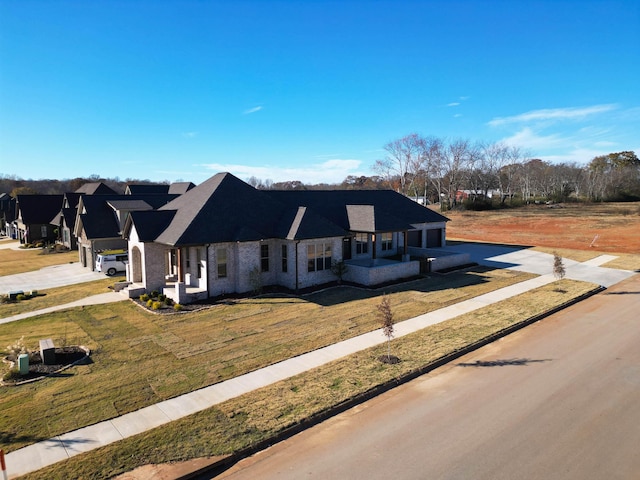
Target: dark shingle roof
x,y
149,224
127,204
39,209
98,216
361,210
95,188
221,209
137,189
180,187
69,215
226,209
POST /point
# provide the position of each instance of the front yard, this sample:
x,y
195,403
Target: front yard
x,y
20,261
140,358
241,422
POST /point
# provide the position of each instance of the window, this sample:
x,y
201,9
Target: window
x,y
362,243
386,239
221,255
264,258
318,257
43,231
284,259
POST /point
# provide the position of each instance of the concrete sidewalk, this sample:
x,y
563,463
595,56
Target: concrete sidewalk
x,y
41,454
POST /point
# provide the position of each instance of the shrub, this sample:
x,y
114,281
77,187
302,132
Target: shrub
x,y
177,307
168,301
12,375
144,297
162,297
149,303
154,294
156,305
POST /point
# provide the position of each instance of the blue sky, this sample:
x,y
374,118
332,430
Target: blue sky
x,y
307,90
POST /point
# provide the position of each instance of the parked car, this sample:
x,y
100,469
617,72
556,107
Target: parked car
x,y
112,261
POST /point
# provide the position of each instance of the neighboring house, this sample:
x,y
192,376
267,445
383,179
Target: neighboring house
x,y
66,218
99,220
176,188
7,214
36,216
462,195
95,188
225,237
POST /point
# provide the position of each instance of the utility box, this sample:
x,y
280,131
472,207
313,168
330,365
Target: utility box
x,y
47,352
23,363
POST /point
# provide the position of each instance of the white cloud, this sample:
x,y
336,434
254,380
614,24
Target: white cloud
x,y
453,104
553,114
190,134
252,110
531,140
330,171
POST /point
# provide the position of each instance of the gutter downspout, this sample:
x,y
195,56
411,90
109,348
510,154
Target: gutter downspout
x,y
297,243
206,252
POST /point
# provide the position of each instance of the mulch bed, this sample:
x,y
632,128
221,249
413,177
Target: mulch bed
x,y
65,356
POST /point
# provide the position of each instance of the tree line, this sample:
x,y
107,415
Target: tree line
x,y
437,170
449,172
14,185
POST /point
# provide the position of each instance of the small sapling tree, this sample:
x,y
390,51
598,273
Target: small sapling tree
x,y
558,267
386,318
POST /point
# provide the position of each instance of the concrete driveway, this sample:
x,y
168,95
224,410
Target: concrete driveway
x,y
531,261
49,277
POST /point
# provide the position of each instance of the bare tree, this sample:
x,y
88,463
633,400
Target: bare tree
x,y
401,163
386,318
457,158
558,267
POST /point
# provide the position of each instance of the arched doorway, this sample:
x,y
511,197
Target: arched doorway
x,y
136,265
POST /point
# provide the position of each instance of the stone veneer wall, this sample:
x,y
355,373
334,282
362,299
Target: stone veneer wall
x,y
384,272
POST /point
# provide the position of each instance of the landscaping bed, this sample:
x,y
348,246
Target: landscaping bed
x,y
65,357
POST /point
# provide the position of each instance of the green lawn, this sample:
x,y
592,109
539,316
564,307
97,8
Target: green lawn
x,y
140,358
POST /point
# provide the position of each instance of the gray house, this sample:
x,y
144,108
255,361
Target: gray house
x,y
224,236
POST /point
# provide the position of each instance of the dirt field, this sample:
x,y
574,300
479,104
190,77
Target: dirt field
x,y
612,227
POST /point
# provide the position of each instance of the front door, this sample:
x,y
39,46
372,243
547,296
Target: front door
x,y
346,248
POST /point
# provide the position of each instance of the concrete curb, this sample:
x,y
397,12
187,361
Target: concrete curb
x,y
219,466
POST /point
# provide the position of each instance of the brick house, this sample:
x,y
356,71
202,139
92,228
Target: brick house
x,y
224,236
35,218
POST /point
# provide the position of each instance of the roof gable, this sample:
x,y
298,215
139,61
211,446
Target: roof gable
x,y
95,188
361,210
38,209
221,209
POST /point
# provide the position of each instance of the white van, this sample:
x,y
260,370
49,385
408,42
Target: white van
x,y
112,261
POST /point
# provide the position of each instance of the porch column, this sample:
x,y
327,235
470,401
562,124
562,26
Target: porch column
x,y
179,261
374,244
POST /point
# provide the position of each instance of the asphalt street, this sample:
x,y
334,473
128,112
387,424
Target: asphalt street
x,y
557,400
